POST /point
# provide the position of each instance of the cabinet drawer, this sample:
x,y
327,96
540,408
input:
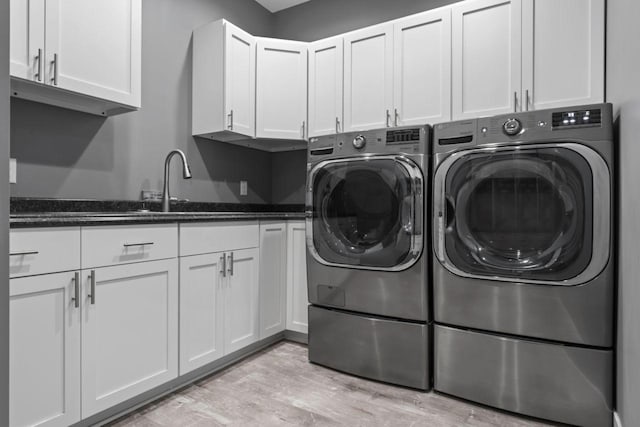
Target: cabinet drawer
x,y
43,250
201,238
112,245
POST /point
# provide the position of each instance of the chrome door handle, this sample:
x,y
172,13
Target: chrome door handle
x,y
395,117
223,261
515,102
76,293
526,100
24,253
92,278
387,119
128,245
230,270
55,65
337,125
38,75
230,116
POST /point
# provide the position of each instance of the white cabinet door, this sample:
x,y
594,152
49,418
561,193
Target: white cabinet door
x,y
297,299
201,310
422,68
44,347
273,277
129,332
242,321
93,48
281,89
27,39
486,58
563,53
325,86
368,78
239,80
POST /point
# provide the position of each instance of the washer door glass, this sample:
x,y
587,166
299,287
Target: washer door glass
x,y
366,212
524,213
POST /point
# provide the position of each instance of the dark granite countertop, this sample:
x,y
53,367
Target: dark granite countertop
x,y
32,212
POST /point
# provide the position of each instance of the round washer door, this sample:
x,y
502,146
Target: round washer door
x,y
538,214
366,212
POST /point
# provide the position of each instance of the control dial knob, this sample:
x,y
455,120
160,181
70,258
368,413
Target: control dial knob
x,y
359,142
512,127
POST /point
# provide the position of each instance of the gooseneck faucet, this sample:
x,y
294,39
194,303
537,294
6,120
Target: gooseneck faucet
x,y
186,174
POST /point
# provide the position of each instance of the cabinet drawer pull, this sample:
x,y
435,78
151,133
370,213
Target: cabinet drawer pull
x,y
231,264
76,289
55,65
24,253
396,116
223,261
92,278
128,245
337,125
230,116
515,102
387,119
303,128
38,75
526,100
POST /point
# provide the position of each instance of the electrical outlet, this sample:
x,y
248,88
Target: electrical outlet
x,y
13,166
243,188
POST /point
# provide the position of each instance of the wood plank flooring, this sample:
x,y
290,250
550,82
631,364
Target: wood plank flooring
x,y
279,387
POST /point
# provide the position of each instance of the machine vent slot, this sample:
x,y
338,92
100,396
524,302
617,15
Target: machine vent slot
x,y
457,140
322,151
576,119
403,136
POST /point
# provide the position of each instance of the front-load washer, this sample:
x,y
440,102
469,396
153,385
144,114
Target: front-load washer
x,y
523,269
367,267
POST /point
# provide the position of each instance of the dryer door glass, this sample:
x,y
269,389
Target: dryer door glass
x,y
367,213
525,213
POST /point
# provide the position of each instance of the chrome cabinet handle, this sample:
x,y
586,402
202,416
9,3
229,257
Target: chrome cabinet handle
x,y
230,116
395,117
24,253
223,260
515,102
55,65
337,125
387,119
526,100
230,270
76,290
303,128
92,295
38,75
128,245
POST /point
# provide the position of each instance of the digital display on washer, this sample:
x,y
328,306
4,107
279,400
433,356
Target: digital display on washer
x,y
577,118
403,136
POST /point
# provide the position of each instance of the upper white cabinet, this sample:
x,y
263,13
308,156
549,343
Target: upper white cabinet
x,y
486,57
281,89
520,55
325,86
223,82
368,78
422,68
562,53
92,50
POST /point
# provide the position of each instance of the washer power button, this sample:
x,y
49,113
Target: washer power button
x,y
359,142
512,127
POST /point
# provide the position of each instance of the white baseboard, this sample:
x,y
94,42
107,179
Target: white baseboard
x,y
616,420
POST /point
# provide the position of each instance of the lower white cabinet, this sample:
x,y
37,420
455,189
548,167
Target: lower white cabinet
x,y
273,276
219,299
44,375
297,299
129,331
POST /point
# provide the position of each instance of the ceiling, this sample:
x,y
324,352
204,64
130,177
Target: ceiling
x,y
274,6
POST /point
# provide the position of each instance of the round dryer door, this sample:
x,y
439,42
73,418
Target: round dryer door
x,y
537,214
366,212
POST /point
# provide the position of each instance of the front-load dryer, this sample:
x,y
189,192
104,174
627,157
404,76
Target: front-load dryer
x,y
367,266
523,269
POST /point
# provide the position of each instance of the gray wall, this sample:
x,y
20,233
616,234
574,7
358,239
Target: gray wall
x,y
318,19
63,153
4,213
623,90
289,176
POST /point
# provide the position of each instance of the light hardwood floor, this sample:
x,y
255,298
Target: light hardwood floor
x,y
279,387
